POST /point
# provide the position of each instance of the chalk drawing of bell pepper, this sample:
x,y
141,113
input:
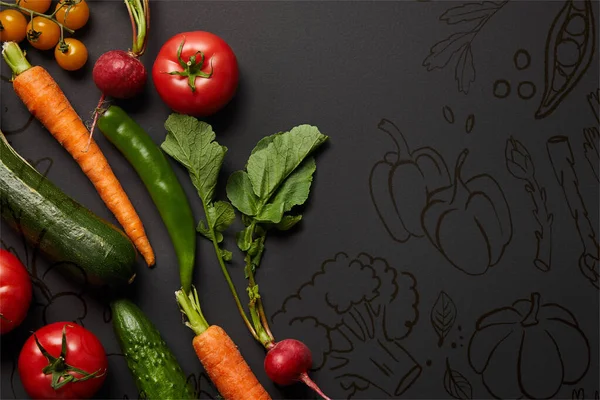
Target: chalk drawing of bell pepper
x,y
569,52
469,222
401,183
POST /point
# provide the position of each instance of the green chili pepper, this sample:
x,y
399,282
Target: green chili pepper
x,y
166,192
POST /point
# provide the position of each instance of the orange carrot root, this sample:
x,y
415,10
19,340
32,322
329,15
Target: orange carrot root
x,y
226,367
47,102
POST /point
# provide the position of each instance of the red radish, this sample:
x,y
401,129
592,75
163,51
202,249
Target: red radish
x,y
120,74
288,362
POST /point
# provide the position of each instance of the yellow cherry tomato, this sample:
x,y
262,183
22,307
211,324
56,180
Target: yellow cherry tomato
x,y
40,6
42,33
71,54
73,14
13,26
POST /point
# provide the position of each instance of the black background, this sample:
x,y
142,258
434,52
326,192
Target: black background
x,y
345,66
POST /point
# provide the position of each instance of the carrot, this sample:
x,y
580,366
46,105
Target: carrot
x,y
226,367
219,355
46,101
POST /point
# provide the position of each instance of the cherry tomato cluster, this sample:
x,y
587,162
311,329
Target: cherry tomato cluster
x,y
45,31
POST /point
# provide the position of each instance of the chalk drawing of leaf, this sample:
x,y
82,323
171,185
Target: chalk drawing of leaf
x,y
465,71
469,12
441,53
443,316
457,46
456,384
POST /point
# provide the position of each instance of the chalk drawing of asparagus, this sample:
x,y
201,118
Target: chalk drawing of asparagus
x,y
563,163
591,136
520,165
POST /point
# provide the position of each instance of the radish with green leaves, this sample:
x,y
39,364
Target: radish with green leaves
x,y
277,178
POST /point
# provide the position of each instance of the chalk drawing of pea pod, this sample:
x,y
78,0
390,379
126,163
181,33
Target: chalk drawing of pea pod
x,y
569,51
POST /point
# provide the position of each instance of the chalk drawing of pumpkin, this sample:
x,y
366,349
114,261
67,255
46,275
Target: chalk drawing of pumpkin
x,y
529,350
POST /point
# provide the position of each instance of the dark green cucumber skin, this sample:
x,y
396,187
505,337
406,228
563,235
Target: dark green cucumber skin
x,y
156,372
64,231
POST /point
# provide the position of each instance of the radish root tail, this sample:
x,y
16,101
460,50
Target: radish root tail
x,y
311,384
97,111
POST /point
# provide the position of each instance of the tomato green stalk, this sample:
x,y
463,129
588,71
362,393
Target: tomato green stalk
x,y
58,367
160,180
192,69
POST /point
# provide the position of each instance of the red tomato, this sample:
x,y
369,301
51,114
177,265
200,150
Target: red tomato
x,y
15,292
83,351
215,78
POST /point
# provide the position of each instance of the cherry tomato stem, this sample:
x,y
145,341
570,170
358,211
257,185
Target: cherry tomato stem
x,y
71,54
74,14
32,12
43,33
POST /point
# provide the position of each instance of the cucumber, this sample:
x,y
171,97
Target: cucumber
x,y
64,231
154,367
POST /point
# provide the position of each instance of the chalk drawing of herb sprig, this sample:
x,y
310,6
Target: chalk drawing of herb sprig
x,y
457,47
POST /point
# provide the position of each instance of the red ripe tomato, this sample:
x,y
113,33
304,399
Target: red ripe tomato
x,y
15,292
84,356
196,73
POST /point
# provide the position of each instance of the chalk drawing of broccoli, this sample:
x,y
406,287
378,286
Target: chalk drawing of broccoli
x,y
355,311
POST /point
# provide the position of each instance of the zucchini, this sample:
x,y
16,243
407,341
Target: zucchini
x,y
154,367
64,231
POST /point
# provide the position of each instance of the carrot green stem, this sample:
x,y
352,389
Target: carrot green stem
x,y
190,306
139,13
15,58
31,12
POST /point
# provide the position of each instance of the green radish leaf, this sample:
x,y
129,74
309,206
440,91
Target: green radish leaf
x,y
295,189
244,239
253,293
226,254
241,194
264,142
271,213
256,251
192,143
203,230
222,215
278,156
288,221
